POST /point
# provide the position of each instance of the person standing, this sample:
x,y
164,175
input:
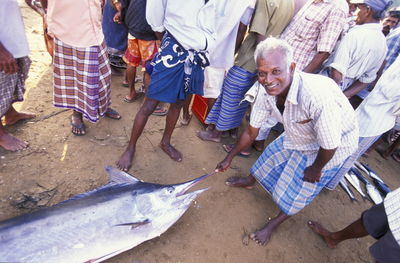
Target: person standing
x,y
14,68
82,73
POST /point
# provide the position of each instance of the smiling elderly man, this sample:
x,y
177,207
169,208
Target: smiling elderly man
x,y
320,133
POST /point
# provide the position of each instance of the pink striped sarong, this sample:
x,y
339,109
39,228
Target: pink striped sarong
x,y
82,78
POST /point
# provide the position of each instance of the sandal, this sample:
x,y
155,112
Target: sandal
x,y
138,96
228,148
160,111
77,129
112,114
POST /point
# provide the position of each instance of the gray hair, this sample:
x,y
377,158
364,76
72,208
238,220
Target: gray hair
x,y
272,44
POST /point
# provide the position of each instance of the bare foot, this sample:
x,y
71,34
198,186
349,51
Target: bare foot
x,y
263,235
10,119
173,153
239,181
11,143
325,234
212,136
125,161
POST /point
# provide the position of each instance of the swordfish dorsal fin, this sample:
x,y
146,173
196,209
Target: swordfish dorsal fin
x,y
116,176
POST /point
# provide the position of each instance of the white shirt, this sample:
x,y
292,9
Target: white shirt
x,y
360,54
392,209
191,22
229,15
317,114
377,113
12,31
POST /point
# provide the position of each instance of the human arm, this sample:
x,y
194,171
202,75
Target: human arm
x,y
336,76
313,172
316,62
240,36
155,14
355,88
44,4
246,139
117,5
35,6
8,63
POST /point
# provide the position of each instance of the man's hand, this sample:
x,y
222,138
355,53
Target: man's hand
x,y
8,64
312,174
224,165
117,18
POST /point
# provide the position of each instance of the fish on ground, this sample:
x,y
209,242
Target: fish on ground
x,y
353,180
380,184
96,225
373,193
346,188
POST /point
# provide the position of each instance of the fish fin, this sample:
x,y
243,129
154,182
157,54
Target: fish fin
x,y
116,176
136,224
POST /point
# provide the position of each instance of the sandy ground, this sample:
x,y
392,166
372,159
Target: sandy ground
x,y
58,165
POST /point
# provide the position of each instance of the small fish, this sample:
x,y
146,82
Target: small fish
x,y
346,188
380,184
353,180
371,190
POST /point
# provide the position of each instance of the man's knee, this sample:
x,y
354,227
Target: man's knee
x,y
148,106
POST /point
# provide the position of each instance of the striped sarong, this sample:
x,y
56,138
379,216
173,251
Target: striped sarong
x,y
82,78
363,144
281,173
12,86
227,112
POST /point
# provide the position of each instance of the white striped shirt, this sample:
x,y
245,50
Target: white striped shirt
x,y
377,113
392,209
317,114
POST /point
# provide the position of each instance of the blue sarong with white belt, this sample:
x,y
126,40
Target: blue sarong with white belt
x,y
177,72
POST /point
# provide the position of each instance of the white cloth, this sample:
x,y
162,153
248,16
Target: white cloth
x,y
191,22
314,117
213,80
392,209
360,54
377,113
229,16
12,31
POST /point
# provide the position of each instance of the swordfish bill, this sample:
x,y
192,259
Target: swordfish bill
x,y
96,225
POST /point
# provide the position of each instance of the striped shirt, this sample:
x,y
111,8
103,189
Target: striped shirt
x,y
392,209
393,44
313,118
377,113
315,28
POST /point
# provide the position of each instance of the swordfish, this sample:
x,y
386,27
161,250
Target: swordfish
x,y
96,225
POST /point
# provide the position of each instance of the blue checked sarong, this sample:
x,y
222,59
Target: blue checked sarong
x,y
363,144
281,173
227,112
177,72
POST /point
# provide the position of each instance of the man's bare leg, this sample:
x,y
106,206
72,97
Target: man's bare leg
x,y
12,116
186,116
354,230
210,104
263,235
148,106
172,117
130,75
9,142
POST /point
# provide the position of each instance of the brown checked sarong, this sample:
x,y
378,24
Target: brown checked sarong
x,y
12,86
82,79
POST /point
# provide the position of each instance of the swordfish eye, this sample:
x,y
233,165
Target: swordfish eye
x,y
170,189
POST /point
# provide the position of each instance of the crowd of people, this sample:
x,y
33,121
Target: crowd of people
x,y
322,72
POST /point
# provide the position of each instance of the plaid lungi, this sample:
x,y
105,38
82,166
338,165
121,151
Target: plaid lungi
x,y
12,86
281,173
82,78
227,112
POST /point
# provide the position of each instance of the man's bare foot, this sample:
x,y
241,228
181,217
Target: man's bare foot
x,y
263,235
173,153
325,234
12,118
11,143
125,161
213,136
239,181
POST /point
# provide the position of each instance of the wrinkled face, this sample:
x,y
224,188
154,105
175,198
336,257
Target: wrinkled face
x,y
390,21
274,74
362,12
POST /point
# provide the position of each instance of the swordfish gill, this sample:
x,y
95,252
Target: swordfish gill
x,y
96,225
